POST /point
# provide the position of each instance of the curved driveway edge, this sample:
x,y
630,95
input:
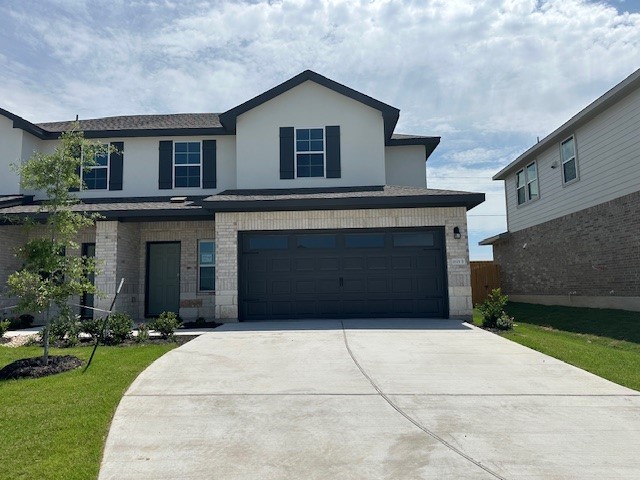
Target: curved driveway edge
x,y
423,399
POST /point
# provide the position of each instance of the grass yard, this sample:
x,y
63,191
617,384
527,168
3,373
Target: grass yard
x,y
55,427
604,342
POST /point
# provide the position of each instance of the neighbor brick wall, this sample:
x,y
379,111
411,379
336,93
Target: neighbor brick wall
x,y
593,252
228,225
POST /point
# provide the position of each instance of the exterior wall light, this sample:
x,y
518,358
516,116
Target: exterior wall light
x,y
456,233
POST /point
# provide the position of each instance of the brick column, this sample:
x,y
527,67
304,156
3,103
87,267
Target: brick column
x,y
106,258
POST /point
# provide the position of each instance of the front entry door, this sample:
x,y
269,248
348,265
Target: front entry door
x,y
163,278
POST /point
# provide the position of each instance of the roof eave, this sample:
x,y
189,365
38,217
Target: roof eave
x,y
469,201
603,102
430,143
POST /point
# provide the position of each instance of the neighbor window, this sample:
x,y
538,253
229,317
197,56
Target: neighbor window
x,y
206,265
96,176
309,152
569,161
187,164
527,184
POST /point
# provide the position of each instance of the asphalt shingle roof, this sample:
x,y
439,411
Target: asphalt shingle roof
x,y
140,122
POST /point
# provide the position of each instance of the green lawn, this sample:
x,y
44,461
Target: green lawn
x,y
55,427
604,342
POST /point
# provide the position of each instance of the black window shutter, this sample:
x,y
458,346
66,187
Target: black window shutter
x,y
165,174
333,151
287,169
116,166
208,164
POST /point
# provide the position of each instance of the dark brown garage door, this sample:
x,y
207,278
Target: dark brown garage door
x,y
342,274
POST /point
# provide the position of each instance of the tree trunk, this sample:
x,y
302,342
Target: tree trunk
x,y
45,337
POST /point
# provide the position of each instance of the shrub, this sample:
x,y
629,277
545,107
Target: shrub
x,y
4,326
143,333
166,324
92,326
504,321
119,326
492,308
65,328
200,321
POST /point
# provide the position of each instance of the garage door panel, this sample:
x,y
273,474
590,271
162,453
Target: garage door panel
x,y
329,264
404,262
280,287
282,264
353,263
377,272
377,263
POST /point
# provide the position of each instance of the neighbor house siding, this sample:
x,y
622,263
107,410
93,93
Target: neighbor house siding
x,y
406,165
587,258
608,152
305,106
229,224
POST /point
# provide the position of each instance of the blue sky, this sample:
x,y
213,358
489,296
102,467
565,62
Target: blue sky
x,y
487,76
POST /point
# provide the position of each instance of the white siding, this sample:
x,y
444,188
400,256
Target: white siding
x,y
405,165
10,150
310,105
608,150
141,167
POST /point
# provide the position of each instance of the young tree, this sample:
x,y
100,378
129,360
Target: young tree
x,y
49,278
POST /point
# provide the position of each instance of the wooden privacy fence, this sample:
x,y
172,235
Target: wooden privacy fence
x,y
485,276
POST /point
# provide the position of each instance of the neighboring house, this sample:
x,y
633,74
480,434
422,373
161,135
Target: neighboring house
x,y
300,203
573,210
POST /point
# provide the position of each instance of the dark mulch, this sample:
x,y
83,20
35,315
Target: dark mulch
x,y
32,367
193,325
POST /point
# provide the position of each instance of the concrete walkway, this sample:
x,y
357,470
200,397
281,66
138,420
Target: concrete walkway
x,y
379,399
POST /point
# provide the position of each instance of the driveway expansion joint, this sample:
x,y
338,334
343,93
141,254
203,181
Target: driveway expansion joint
x,y
409,418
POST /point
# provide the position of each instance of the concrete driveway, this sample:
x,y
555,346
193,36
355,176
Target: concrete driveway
x,y
369,399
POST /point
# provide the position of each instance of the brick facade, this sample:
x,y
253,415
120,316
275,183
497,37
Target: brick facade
x,y
11,237
593,253
229,224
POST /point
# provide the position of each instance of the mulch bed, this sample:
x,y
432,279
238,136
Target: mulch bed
x,y
33,368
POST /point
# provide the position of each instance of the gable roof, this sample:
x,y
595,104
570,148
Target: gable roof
x,y
617,93
390,114
184,124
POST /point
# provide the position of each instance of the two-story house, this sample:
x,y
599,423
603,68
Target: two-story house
x,y
573,209
299,203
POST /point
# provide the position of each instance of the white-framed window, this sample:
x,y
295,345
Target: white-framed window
x,y
187,164
527,184
206,266
96,176
310,152
569,160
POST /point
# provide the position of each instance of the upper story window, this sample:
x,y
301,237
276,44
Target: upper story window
x,y
527,184
569,160
310,150
96,176
187,164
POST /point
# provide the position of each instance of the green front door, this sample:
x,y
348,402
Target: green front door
x,y
163,278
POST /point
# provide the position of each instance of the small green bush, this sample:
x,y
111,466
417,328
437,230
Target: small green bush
x,y
143,333
119,326
492,308
65,328
166,324
92,326
4,327
504,321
